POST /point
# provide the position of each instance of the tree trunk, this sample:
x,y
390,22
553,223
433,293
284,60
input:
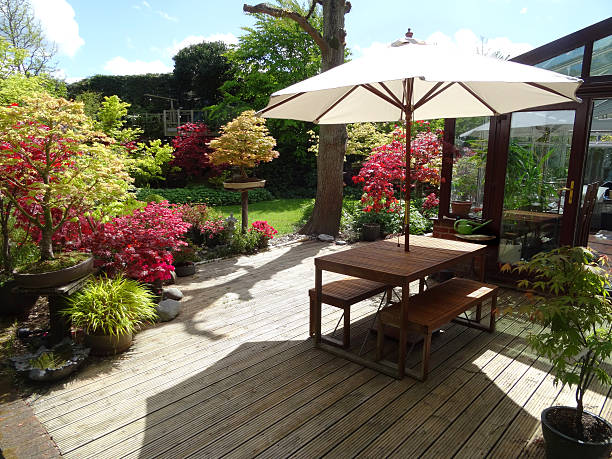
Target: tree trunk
x,y
328,203
46,245
5,212
332,138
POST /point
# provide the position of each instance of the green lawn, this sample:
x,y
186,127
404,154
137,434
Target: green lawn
x,y
282,214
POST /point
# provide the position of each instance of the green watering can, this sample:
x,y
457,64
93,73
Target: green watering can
x,y
469,226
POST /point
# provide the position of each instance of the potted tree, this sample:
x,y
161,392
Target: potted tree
x,y
183,261
244,143
109,309
55,167
577,339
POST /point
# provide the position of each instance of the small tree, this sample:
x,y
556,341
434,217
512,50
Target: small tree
x,y
244,143
192,151
55,166
576,314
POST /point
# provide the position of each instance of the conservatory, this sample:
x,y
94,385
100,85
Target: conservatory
x,y
528,172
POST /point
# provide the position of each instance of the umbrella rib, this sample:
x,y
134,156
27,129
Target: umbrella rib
x,y
288,99
426,98
344,96
477,97
380,94
544,88
393,96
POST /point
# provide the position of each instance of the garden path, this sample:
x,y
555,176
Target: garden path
x,y
235,374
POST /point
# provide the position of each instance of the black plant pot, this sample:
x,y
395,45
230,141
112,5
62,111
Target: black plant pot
x,y
185,269
371,231
561,446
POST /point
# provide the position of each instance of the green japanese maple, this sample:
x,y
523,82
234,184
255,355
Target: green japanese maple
x,y
54,166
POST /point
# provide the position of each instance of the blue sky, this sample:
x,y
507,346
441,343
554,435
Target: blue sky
x,y
139,36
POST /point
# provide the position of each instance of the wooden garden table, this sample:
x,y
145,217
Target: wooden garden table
x,y
386,262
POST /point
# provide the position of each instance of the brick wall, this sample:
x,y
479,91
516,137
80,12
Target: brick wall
x,y
443,228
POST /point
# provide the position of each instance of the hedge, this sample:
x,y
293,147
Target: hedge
x,y
202,194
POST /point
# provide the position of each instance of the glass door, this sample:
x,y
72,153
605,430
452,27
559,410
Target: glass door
x,y
598,169
536,174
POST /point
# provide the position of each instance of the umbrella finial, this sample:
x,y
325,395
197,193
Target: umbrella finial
x,y
409,33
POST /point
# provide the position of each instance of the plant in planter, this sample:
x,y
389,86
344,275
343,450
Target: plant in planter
x,y
54,166
183,261
243,144
265,231
109,310
577,339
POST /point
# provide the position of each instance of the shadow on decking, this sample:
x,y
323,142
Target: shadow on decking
x,y
284,398
239,287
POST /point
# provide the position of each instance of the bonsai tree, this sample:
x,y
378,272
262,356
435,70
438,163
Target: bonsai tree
x,y
244,143
577,315
54,166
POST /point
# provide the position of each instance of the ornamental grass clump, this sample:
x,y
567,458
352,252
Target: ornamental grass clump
x,y
111,306
244,143
573,305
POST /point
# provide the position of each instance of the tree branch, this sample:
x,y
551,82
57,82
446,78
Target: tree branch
x,y
302,21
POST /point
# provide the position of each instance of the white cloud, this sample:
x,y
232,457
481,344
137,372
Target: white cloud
x,y
466,40
524,10
121,66
146,4
170,51
166,16
358,51
57,19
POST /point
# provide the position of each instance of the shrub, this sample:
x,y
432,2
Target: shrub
x,y
204,195
192,151
111,306
139,244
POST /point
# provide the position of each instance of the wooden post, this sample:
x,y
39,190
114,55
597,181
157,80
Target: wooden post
x,y
245,210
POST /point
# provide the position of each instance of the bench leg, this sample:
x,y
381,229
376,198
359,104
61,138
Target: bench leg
x,y
346,333
493,313
401,359
421,285
311,331
426,352
479,312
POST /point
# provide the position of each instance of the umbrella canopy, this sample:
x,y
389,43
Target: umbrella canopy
x,y
413,80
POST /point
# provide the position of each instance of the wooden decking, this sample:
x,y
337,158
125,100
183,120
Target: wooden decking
x,y
236,375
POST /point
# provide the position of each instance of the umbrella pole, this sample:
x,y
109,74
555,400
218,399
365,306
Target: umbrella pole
x,y
408,115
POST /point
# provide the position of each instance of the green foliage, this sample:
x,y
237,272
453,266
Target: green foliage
x,y
576,313
111,306
353,218
49,360
204,195
92,102
16,88
465,174
149,162
200,70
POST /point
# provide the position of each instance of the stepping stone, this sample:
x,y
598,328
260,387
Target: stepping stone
x,y
168,310
325,238
173,293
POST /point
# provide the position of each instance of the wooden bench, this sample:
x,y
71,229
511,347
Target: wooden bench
x,y
343,294
428,311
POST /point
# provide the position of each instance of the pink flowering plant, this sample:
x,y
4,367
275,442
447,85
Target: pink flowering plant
x,y
266,231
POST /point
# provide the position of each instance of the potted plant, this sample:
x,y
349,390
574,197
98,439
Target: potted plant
x,y
461,207
577,339
55,167
183,261
109,309
244,143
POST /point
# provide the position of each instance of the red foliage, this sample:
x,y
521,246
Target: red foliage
x,y
192,151
264,228
384,172
139,244
431,201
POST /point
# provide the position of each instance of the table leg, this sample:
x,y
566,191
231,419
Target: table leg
x,y
481,276
317,306
403,332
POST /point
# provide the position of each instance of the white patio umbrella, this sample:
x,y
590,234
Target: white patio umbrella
x,y
411,80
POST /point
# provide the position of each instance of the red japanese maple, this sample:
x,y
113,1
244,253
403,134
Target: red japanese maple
x,y
192,150
383,174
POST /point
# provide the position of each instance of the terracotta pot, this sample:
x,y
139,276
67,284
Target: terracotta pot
x,y
561,446
108,344
241,186
371,231
461,208
55,278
